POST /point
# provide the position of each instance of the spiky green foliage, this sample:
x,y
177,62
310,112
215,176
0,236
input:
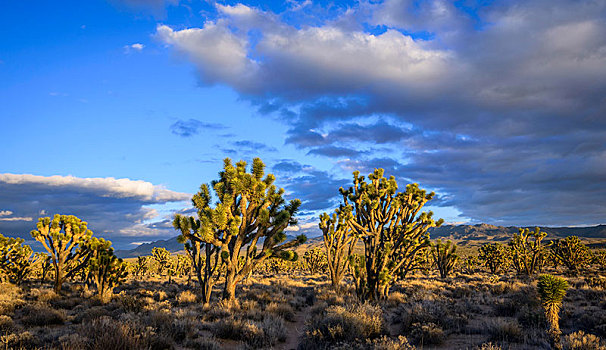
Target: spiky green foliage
x,y
141,266
599,258
250,208
205,257
444,257
162,258
357,265
339,242
572,253
470,264
106,270
15,258
64,238
315,260
552,290
495,257
528,254
392,227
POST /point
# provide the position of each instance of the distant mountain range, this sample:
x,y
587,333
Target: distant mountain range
x,y
466,234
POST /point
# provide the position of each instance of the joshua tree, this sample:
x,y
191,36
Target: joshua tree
x,y
391,226
572,253
205,258
470,263
494,256
15,258
162,257
64,238
527,252
140,266
106,270
315,260
599,258
552,290
339,242
444,257
250,208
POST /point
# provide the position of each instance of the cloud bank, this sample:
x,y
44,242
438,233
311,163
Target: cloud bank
x,y
121,210
497,106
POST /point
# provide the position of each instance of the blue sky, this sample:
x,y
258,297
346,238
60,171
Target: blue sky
x,y
496,105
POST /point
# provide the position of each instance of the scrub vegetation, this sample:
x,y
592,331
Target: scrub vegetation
x,y
375,280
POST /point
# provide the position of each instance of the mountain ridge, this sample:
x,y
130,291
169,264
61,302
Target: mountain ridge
x,y
476,232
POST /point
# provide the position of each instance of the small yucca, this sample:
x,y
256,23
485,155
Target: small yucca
x,y
551,291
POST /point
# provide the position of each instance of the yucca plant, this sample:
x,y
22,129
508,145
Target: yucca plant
x,y
552,290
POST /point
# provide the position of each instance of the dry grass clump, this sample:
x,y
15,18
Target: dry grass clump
x,y
105,333
427,334
6,323
10,297
186,297
488,346
444,313
507,330
41,315
280,309
23,340
582,341
353,323
267,332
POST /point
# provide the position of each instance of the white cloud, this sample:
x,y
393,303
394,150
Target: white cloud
x,y
5,213
105,187
137,47
17,218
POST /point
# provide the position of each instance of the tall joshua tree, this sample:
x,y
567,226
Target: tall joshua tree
x,y
205,257
527,251
552,290
339,242
250,208
445,257
392,227
64,238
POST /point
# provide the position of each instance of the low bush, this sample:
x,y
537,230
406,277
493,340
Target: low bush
x,y
582,341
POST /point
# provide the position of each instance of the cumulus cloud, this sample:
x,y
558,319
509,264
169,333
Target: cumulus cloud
x,y
117,209
499,106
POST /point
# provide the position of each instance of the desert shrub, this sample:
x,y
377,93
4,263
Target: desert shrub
x,y
281,309
203,344
24,340
90,314
582,341
6,323
105,333
186,297
41,315
216,313
448,317
488,346
501,329
427,334
160,295
256,334
346,324
596,282
130,303
10,297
